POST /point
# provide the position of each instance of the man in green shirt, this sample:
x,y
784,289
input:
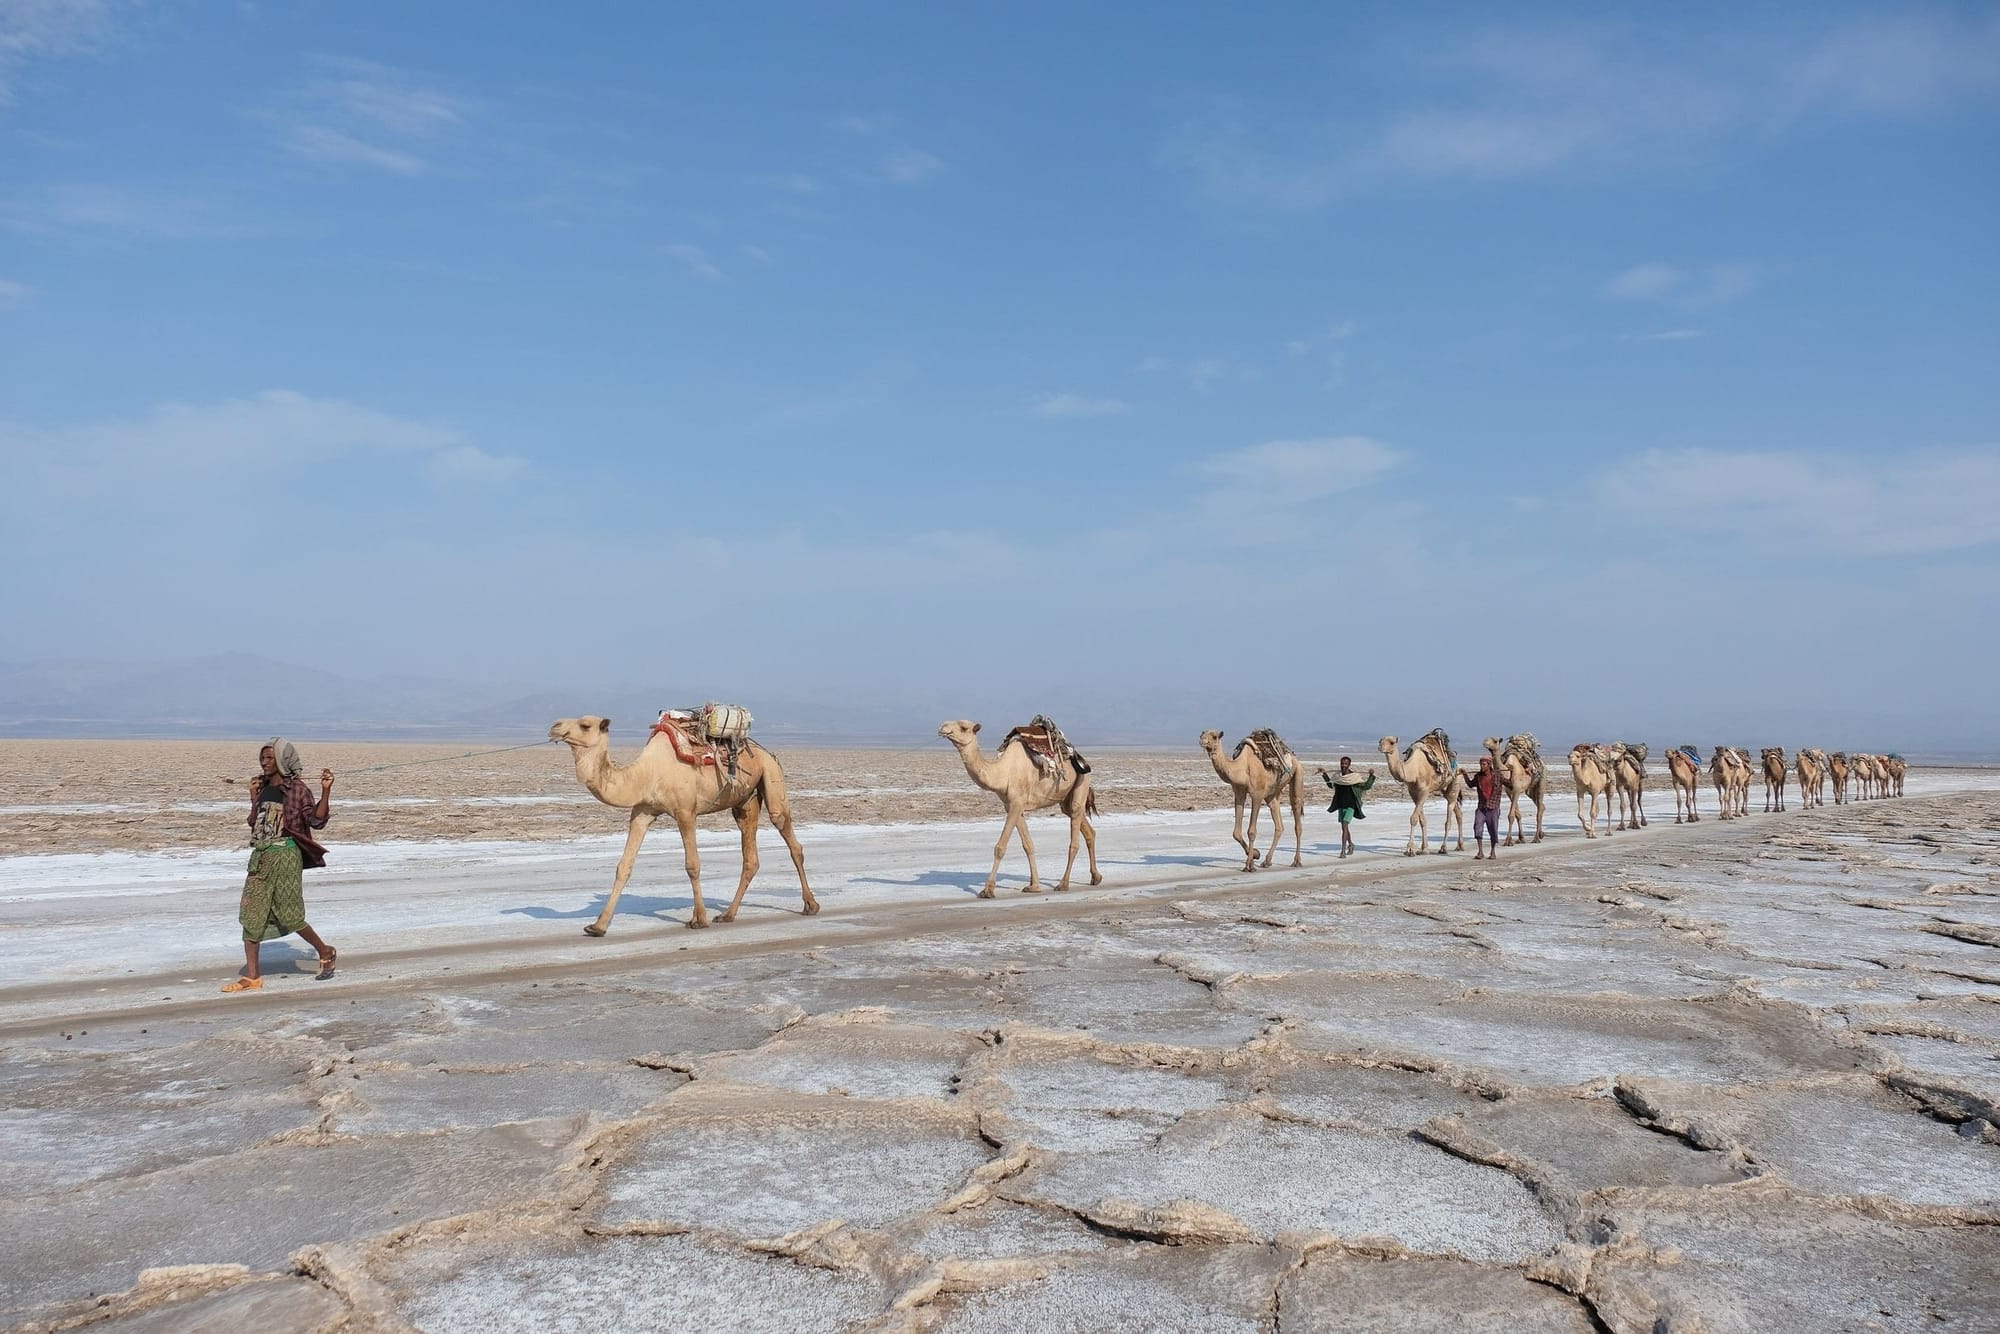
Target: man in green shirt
x,y
1347,789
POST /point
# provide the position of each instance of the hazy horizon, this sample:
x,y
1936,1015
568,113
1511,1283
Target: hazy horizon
x,y
1604,376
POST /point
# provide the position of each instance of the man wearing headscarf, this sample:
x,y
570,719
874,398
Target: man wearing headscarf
x,y
283,815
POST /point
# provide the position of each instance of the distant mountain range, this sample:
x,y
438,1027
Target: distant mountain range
x,y
246,695
240,694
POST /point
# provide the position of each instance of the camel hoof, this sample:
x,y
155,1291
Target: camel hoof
x,y
1031,889
1063,888
729,916
1096,879
1297,862
986,893
697,923
594,930
812,908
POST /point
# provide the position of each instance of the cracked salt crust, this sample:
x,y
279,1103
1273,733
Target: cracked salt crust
x,y
1341,1099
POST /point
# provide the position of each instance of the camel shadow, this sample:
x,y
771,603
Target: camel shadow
x,y
629,905
1174,859
966,882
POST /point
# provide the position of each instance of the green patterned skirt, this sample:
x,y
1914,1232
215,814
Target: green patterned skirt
x,y
274,893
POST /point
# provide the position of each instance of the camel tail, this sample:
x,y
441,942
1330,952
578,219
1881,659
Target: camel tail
x,y
771,789
1090,803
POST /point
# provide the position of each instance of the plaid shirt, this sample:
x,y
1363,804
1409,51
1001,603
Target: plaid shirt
x,y
301,817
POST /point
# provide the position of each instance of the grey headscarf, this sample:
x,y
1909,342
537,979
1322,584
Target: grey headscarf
x,y
287,756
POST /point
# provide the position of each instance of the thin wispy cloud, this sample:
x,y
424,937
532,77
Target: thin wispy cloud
x,y
1714,285
789,182
75,208
1079,405
1900,62
13,294
1285,473
278,428
910,166
1505,106
363,114
1932,501
696,261
317,143
32,30
1665,336
865,123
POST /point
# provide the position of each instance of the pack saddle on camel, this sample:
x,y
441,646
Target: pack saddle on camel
x,y
1684,769
1595,771
1774,772
1628,772
1034,768
1262,770
1522,773
695,762
1863,767
1741,770
1811,765
1427,769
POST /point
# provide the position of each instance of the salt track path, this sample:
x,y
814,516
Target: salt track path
x,y
1743,1076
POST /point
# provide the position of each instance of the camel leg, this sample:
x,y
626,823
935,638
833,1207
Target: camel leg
x,y
1076,828
782,818
691,860
1298,822
1236,830
1034,885
1513,819
1000,850
635,834
1589,822
1416,816
1277,828
1541,799
746,825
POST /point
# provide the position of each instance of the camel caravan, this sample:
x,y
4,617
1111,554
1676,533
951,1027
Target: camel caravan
x,y
701,761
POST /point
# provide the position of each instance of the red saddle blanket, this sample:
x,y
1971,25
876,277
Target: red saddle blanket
x,y
688,749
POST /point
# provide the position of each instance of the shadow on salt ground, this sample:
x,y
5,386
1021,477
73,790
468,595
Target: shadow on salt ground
x,y
1174,859
966,882
277,955
629,905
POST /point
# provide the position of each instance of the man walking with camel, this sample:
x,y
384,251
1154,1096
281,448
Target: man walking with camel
x,y
1486,817
1347,789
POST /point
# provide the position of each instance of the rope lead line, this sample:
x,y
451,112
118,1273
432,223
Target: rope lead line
x,y
441,759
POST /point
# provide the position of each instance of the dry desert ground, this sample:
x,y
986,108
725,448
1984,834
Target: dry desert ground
x,y
1735,1076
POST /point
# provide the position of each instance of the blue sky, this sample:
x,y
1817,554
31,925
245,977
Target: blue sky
x,y
1579,362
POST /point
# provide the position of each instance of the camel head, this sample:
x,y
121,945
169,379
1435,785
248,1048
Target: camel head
x,y
581,733
960,732
1492,743
1387,745
1211,742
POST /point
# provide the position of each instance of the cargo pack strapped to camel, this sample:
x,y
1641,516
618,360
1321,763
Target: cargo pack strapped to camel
x,y
1525,747
1436,744
1270,749
712,735
1046,746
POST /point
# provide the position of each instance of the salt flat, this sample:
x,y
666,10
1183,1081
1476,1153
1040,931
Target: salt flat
x,y
1745,1075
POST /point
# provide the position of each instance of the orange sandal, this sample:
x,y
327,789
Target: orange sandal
x,y
243,984
326,963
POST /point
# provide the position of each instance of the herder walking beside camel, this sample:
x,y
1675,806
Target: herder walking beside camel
x,y
1347,789
1486,816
